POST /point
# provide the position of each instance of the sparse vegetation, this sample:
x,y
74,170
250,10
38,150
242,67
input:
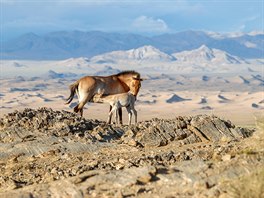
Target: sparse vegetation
x,y
250,186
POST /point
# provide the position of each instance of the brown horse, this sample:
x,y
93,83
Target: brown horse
x,y
86,87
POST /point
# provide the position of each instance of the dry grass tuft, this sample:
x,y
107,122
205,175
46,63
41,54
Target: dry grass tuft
x,y
250,186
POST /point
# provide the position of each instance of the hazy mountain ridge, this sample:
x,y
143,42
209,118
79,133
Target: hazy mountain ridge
x,y
207,55
144,53
63,45
202,55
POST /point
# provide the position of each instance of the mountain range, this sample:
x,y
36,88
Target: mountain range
x,y
202,55
72,44
144,53
205,54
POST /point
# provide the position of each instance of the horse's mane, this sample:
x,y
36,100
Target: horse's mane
x,y
128,72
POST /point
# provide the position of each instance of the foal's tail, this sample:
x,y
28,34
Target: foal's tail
x,y
73,88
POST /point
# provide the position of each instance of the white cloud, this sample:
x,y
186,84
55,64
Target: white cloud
x,y
149,24
254,33
245,23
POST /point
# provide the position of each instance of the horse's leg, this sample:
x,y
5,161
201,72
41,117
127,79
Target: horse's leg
x,y
120,115
84,97
81,112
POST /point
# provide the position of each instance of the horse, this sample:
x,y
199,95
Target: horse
x,y
87,86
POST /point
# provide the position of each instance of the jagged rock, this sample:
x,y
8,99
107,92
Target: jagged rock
x,y
46,120
201,128
128,138
212,127
17,126
151,137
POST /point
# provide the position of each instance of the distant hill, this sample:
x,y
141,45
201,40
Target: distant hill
x,y
205,55
72,44
145,53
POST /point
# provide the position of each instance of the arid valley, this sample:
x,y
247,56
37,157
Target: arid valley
x,y
200,130
231,91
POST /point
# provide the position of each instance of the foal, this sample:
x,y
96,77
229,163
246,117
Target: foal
x,y
117,101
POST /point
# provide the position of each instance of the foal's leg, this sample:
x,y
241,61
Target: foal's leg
x,y
135,113
116,115
120,115
114,111
129,115
109,117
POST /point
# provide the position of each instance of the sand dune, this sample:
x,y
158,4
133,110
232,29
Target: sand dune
x,y
149,102
261,102
203,101
223,99
206,108
176,98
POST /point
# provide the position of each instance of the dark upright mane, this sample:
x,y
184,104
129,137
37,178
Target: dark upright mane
x,y
128,72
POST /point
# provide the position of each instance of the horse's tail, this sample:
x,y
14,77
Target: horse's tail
x,y
73,88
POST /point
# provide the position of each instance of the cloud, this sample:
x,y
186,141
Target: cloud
x,y
246,23
149,24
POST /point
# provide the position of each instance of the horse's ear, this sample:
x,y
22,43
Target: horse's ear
x,y
136,76
140,79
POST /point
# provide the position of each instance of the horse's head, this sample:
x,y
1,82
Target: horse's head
x,y
132,80
135,85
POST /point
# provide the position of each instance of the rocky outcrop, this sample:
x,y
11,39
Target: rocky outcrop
x,y
56,153
186,130
152,133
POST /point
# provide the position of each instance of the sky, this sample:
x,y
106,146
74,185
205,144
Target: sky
x,y
145,17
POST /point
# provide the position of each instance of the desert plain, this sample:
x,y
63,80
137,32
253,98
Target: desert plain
x,y
231,91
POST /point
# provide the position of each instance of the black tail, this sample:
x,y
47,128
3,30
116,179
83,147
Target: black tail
x,y
73,87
